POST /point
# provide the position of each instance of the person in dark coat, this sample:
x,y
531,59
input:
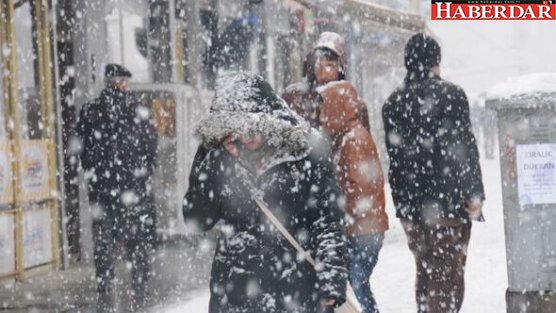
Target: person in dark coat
x,y
118,155
434,174
253,145
232,48
325,64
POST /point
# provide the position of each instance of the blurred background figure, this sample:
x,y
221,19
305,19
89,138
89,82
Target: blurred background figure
x,y
326,63
118,155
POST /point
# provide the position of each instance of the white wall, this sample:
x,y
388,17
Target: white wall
x,y
478,54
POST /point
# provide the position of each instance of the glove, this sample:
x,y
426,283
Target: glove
x,y
475,209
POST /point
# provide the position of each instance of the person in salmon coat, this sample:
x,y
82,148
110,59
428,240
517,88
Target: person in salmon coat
x,y
361,182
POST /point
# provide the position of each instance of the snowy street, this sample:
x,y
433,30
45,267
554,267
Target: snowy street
x,y
158,156
393,278
182,270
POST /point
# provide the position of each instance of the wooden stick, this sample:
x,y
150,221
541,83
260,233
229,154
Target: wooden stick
x,y
350,306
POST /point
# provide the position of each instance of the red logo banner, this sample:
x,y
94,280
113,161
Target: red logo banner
x,y
494,10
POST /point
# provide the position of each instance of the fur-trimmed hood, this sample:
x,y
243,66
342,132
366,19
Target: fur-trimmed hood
x,y
246,104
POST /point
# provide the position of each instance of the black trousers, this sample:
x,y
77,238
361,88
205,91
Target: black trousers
x,y
115,224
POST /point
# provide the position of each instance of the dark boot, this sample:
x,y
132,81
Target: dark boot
x,y
106,302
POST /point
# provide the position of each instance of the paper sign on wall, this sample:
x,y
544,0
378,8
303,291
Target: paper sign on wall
x,y
34,170
536,173
37,238
7,244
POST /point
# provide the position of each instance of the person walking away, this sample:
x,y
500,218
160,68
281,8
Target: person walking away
x,y
361,182
434,174
326,63
255,147
118,155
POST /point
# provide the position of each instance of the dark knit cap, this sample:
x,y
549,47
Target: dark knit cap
x,y
113,70
422,52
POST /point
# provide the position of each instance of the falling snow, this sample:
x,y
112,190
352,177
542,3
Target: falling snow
x,y
140,137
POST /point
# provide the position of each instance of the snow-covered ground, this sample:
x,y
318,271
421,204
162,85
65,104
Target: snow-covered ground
x,y
393,278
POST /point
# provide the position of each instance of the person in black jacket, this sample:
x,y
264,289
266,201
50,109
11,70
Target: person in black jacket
x,y
118,154
253,145
434,174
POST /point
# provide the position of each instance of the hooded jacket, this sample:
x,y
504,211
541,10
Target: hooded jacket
x,y
254,268
357,162
303,98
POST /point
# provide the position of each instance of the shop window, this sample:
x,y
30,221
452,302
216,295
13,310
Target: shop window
x,y
6,191
164,111
209,21
27,63
126,43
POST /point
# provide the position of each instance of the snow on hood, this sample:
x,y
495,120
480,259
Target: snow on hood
x,y
524,85
246,104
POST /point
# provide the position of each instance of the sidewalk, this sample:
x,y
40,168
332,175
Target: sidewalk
x,y
394,276
181,270
179,267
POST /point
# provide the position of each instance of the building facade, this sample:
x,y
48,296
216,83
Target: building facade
x,y
29,194
54,53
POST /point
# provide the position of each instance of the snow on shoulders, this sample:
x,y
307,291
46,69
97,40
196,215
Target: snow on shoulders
x,y
530,84
300,87
332,84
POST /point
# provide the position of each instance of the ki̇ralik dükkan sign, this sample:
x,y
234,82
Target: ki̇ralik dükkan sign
x,y
536,173
494,10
